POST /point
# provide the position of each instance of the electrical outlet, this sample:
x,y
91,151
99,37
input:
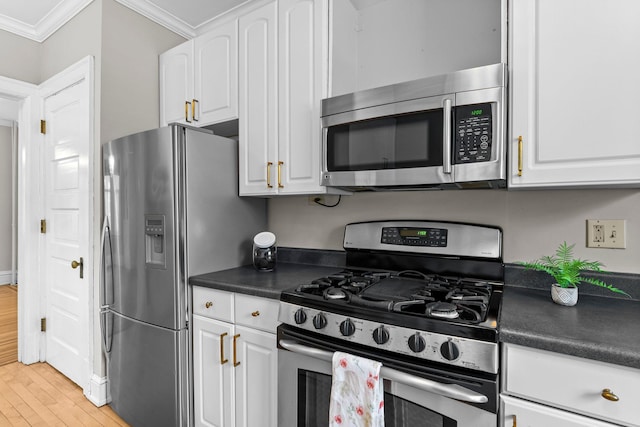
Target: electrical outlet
x,y
606,233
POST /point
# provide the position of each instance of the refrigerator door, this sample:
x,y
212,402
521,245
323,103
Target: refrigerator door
x,y
141,190
147,372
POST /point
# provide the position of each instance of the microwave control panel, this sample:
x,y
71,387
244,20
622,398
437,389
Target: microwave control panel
x,y
473,133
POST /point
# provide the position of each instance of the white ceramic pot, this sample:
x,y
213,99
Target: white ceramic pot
x,y
564,296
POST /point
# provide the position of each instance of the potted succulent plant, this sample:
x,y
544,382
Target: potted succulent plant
x,y
566,270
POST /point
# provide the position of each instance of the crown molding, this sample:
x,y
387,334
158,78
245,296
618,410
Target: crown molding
x,y
160,16
48,25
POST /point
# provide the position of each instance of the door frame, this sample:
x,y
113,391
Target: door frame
x,y
30,210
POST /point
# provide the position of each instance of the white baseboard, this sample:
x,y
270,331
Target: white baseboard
x,y
5,277
98,391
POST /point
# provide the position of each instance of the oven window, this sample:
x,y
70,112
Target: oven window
x,y
395,142
314,391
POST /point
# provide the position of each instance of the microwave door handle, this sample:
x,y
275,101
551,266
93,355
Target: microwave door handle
x,y
446,137
453,391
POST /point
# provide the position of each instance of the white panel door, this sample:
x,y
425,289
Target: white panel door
x,y
574,89
256,378
213,387
67,188
176,84
302,66
258,125
216,75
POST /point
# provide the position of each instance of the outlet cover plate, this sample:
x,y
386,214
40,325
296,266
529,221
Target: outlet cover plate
x,y
606,233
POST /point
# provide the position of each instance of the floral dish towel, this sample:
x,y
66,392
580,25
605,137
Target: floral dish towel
x,y
357,394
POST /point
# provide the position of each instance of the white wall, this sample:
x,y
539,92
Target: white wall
x,y
533,222
19,58
5,199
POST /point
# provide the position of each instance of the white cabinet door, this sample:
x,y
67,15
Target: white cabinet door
x,y
302,62
258,106
256,378
216,75
176,84
213,373
521,413
574,91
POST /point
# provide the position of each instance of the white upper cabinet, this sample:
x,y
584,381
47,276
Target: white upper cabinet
x,y
199,79
216,74
258,132
176,84
574,90
283,70
377,43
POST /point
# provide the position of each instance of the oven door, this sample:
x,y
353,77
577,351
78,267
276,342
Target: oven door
x,y
304,391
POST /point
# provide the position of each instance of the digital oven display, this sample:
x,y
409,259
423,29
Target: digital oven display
x,y
410,236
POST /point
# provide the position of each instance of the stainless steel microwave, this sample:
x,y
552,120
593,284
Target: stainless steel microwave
x,y
445,131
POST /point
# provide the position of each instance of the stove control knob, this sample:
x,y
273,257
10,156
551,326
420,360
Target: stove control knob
x,y
347,328
300,316
380,335
319,321
449,350
417,343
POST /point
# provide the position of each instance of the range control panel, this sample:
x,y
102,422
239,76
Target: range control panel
x,y
473,131
415,236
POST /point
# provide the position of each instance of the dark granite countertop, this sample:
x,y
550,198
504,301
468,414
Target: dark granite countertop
x,y
248,280
597,328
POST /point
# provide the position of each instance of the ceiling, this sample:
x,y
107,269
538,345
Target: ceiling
x,y
38,19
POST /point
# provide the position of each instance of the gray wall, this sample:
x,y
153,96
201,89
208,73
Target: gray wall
x,y
20,58
534,222
5,198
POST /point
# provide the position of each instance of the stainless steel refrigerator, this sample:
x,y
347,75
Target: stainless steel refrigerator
x,y
171,211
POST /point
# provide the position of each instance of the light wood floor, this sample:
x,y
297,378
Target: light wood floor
x,y
8,324
37,394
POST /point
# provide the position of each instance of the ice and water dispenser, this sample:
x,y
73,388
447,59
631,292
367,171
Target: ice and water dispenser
x,y
154,231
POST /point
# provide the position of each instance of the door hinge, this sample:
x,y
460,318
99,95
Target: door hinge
x,y
43,226
43,126
43,324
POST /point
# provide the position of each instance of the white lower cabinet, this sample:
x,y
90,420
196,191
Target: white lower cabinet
x,y
234,359
546,389
521,413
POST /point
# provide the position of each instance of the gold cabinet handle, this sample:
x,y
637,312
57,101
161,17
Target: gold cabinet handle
x,y
193,109
235,361
222,359
186,111
280,174
75,264
515,422
269,164
520,149
255,313
208,304
609,395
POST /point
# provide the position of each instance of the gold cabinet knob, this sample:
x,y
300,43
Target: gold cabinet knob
x,y
255,313
208,304
609,395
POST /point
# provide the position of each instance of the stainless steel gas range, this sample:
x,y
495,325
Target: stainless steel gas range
x,y
423,298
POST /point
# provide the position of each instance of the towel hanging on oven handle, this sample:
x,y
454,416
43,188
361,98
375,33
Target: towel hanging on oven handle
x,y
452,391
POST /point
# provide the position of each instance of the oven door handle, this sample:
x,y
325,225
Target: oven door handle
x,y
453,391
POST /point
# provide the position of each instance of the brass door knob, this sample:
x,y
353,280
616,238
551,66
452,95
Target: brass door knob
x,y
609,395
75,264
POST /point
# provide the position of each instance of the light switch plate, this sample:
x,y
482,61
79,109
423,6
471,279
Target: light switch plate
x,y
606,233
